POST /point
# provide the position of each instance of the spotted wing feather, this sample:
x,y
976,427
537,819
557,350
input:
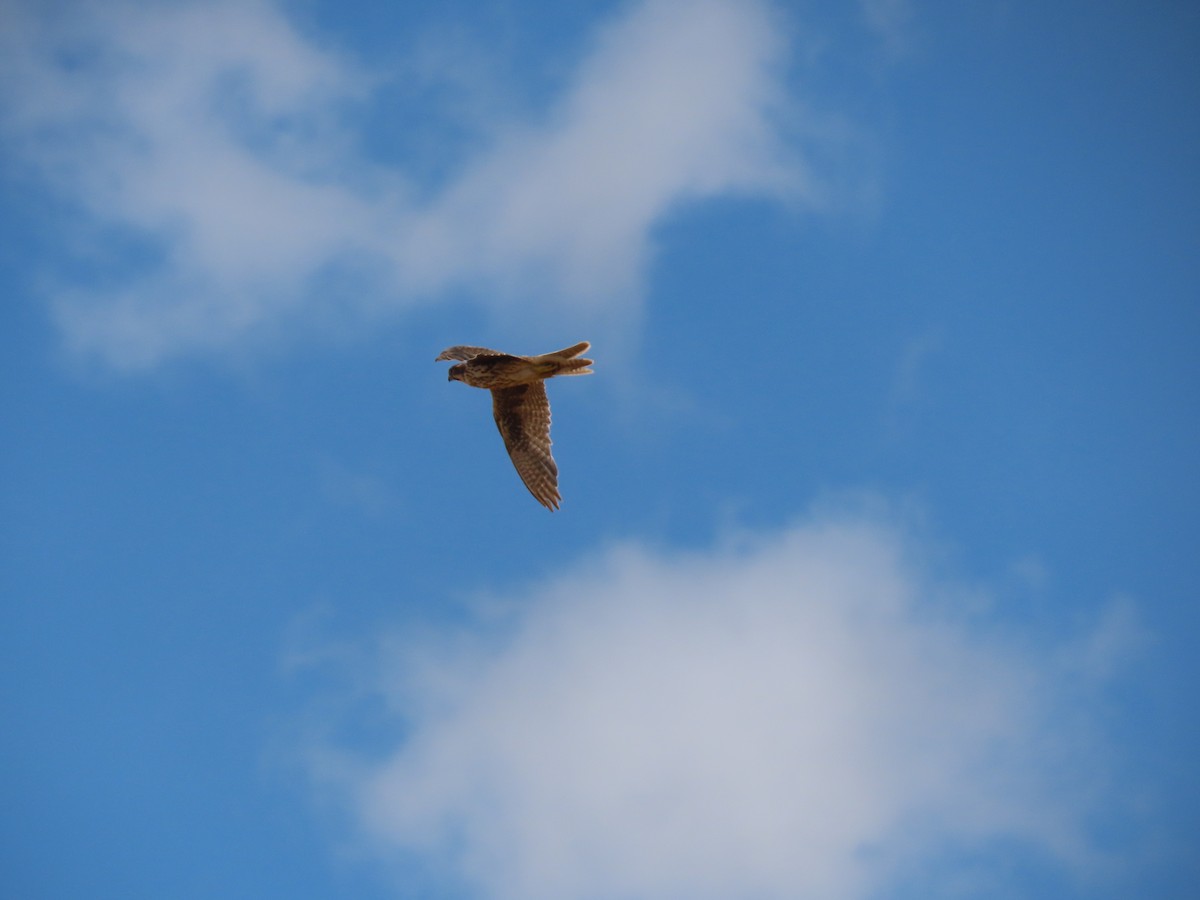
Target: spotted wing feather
x,y
523,416
463,352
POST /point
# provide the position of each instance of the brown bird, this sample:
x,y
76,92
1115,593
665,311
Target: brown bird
x,y
519,405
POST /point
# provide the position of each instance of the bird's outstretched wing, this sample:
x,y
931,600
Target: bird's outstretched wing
x,y
463,352
523,416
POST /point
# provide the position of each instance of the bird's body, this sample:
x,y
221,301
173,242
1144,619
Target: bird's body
x,y
520,406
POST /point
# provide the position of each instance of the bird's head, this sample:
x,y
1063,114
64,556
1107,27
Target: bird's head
x,y
456,372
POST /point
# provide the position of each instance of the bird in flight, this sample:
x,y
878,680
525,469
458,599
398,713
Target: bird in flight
x,y
519,405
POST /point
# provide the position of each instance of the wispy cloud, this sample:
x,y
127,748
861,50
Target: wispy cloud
x,y
217,169
891,21
908,380
196,142
809,713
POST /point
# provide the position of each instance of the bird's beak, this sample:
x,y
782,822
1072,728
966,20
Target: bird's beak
x,y
449,376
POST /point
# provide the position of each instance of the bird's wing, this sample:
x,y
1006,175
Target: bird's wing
x,y
464,353
523,417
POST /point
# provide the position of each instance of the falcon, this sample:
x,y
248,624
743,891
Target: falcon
x,y
520,406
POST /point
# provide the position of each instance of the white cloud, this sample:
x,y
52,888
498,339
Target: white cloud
x,y
197,140
675,101
804,714
211,148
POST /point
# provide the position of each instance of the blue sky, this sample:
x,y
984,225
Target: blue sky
x,y
876,570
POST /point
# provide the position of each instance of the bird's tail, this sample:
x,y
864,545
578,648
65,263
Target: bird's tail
x,y
566,361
